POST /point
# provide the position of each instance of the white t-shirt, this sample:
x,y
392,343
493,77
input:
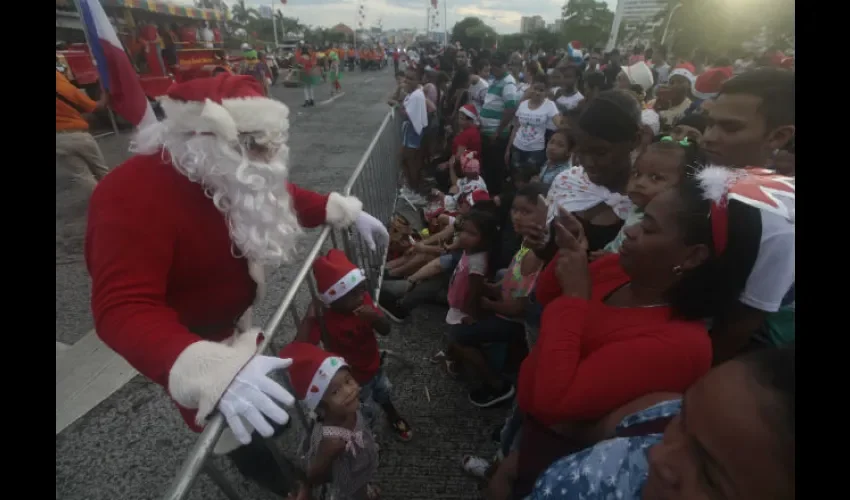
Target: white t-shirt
x,y
531,131
478,92
774,270
569,101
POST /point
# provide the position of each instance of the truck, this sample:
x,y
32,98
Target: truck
x,y
157,69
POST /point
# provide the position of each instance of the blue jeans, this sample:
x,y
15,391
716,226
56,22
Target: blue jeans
x,y
377,390
520,158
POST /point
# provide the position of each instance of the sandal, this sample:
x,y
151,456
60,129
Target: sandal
x,y
475,466
402,429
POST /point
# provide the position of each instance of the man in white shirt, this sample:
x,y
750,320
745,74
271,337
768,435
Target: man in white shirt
x,y
752,117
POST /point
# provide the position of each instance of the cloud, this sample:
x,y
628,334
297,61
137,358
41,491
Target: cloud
x,y
503,15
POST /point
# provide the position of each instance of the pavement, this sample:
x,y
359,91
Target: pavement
x,y
131,444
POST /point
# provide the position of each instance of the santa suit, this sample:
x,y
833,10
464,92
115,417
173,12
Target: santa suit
x,y
168,294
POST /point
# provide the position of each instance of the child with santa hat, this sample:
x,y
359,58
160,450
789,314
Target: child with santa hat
x,y
341,446
351,321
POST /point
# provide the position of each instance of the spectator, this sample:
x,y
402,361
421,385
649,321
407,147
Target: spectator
x,y
75,146
497,113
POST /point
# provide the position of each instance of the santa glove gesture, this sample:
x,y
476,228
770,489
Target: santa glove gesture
x,y
372,231
252,396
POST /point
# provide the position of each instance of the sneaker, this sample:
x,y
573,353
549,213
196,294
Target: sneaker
x,y
486,397
306,104
392,309
475,466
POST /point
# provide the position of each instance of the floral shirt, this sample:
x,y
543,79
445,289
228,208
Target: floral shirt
x,y
614,469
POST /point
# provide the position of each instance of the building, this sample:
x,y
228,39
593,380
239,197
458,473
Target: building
x,y
531,24
642,11
556,27
265,11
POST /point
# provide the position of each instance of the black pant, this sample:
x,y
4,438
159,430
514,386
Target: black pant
x,y
493,168
256,462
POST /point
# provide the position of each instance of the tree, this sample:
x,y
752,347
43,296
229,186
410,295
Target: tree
x,y
546,40
242,14
472,33
289,25
513,43
588,21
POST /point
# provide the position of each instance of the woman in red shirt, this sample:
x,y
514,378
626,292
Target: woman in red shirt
x,y
625,326
468,139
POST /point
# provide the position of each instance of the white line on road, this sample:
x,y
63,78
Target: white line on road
x,y
368,80
332,99
86,374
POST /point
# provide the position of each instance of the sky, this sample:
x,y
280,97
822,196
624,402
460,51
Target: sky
x,y
502,15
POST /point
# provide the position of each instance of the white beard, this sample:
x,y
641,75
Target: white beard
x,y
252,195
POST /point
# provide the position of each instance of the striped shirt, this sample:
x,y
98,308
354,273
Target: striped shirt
x,y
501,95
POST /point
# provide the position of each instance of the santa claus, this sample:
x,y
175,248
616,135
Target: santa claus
x,y
177,240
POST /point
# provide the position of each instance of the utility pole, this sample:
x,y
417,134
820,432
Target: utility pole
x,y
274,24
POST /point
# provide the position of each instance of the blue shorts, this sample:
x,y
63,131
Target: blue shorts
x,y
378,388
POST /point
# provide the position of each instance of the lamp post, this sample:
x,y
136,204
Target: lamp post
x,y
274,24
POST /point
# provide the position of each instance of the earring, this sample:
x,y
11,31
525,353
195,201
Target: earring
x,y
677,270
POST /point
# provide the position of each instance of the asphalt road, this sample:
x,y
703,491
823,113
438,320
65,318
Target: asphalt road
x,y
130,446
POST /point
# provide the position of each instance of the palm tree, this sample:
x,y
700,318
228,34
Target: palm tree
x,y
242,14
288,24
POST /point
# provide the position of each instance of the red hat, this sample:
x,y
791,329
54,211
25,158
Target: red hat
x,y
311,372
336,275
476,196
576,44
685,69
224,105
707,85
470,111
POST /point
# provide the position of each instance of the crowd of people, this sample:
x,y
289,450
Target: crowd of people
x,y
612,248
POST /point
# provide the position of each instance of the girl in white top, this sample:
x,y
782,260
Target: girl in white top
x,y
534,117
568,96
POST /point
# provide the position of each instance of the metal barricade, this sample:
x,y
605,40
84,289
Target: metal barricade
x,y
375,182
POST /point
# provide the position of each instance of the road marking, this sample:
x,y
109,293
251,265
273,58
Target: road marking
x,y
368,80
332,99
86,374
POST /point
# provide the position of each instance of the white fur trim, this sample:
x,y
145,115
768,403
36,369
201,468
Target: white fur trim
x,y
321,379
341,211
703,96
258,274
715,182
220,121
246,321
683,72
205,369
344,285
248,115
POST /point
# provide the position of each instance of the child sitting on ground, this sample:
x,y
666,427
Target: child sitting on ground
x,y
558,153
661,166
350,322
342,448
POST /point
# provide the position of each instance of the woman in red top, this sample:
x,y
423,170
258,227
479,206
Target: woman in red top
x,y
624,326
468,139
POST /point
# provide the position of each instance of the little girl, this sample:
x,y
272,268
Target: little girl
x,y
661,166
479,232
558,152
342,448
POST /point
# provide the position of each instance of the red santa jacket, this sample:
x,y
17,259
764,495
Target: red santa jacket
x,y
164,278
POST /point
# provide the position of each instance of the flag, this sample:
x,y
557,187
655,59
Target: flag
x,y
117,75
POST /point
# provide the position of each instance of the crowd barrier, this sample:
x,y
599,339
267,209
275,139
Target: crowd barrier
x,y
375,182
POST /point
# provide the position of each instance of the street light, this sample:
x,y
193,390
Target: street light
x,y
669,18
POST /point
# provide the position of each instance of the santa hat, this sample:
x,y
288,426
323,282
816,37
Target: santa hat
x,y
707,85
640,74
470,111
476,196
686,70
311,372
336,275
225,105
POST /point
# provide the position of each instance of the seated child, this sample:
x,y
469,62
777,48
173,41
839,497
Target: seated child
x,y
350,322
504,305
558,153
402,237
342,448
471,181
663,165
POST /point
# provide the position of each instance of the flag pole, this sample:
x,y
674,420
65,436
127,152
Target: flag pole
x,y
99,80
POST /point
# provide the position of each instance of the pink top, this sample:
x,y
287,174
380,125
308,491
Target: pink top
x,y
459,285
515,285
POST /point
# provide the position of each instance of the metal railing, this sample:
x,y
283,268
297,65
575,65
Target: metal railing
x,y
375,182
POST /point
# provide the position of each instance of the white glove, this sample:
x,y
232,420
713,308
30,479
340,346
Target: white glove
x,y
250,395
370,230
